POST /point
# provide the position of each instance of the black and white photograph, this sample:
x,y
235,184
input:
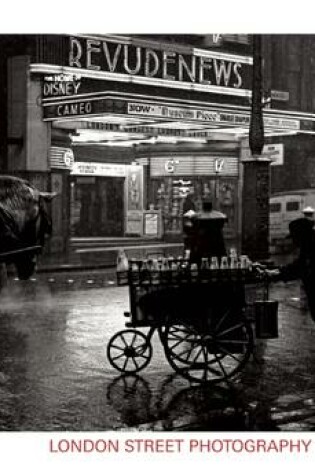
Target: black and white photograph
x,y
157,241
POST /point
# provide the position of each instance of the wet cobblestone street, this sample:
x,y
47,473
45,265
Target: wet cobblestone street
x,y
54,375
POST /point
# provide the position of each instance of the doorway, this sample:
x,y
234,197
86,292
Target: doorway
x,y
97,207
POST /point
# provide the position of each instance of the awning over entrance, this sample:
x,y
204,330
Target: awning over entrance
x,y
116,119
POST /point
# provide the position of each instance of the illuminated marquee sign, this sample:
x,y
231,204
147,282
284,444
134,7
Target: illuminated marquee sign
x,y
133,60
199,67
206,115
90,107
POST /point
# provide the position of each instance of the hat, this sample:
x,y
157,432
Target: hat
x,y
308,210
190,213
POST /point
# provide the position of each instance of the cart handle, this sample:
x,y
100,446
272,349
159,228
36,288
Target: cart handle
x,y
20,251
265,272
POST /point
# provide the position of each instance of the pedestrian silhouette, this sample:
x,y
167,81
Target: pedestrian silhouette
x,y
303,267
207,233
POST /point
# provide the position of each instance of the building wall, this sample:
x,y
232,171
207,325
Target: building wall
x,y
289,65
29,136
10,46
298,169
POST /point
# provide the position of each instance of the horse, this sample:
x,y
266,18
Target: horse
x,y
25,223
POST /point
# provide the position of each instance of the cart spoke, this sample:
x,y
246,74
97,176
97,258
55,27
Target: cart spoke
x,y
135,363
198,354
125,364
205,373
133,339
230,329
180,330
124,339
117,347
233,341
183,341
222,319
221,365
228,353
185,351
141,355
192,347
214,371
118,356
202,367
178,342
140,346
187,339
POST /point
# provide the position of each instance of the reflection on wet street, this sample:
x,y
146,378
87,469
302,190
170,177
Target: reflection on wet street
x,y
176,403
54,374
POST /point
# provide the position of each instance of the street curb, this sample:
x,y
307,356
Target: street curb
x,y
67,280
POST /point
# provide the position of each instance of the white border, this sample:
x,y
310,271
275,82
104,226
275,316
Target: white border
x,y
28,452
167,16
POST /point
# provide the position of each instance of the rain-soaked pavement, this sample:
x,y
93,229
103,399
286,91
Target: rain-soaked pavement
x,y
54,374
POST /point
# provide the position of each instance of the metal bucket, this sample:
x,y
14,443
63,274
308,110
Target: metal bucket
x,y
266,318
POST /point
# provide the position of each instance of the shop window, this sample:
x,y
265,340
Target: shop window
x,y
169,195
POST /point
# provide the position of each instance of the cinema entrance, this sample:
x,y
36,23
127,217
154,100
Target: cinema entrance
x,y
96,206
129,161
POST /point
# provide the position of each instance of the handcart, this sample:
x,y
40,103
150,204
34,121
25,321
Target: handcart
x,y
207,318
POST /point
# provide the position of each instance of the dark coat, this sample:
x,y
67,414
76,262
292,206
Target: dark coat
x,y
189,204
207,235
303,236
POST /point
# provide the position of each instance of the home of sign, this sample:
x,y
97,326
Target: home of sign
x,y
51,89
61,85
198,68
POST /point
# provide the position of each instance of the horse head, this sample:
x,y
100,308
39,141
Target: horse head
x,y
25,223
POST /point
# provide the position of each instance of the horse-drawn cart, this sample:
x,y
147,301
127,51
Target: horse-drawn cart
x,y
207,317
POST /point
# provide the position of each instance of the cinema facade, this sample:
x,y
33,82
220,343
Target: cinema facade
x,y
123,128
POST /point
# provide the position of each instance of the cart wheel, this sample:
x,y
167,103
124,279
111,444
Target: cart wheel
x,y
209,354
129,351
